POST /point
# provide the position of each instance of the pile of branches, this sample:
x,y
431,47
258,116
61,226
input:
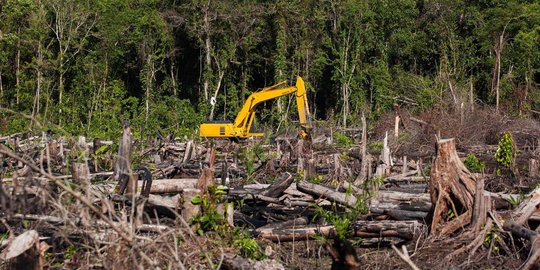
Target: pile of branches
x,y
57,194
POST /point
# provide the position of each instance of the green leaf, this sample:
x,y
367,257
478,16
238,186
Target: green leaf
x,y
196,200
102,149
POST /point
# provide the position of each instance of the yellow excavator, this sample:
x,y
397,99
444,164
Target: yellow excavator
x,y
241,128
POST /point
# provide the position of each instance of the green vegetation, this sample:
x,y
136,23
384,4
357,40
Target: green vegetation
x,y
209,219
158,64
376,146
251,155
506,152
473,164
343,221
247,245
342,140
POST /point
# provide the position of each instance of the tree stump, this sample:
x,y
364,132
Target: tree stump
x,y
534,168
452,189
122,168
24,252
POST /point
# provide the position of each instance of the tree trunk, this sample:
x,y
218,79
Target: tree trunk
x,y
35,109
1,87
363,176
452,189
207,50
18,66
122,168
214,97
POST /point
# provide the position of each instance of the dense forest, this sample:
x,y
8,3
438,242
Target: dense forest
x,y
86,66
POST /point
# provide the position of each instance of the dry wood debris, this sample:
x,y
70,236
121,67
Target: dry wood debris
x,y
114,201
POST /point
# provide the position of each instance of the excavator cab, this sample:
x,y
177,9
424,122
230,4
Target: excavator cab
x,y
243,127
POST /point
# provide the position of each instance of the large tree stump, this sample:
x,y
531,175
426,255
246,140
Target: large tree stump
x,y
452,189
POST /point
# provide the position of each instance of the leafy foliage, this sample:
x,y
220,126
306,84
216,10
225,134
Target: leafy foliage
x,y
208,219
343,221
473,164
342,140
506,151
248,246
158,63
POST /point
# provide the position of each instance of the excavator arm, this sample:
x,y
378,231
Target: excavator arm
x,y
241,127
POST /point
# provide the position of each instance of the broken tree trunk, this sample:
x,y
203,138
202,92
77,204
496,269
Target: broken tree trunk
x,y
452,189
122,168
24,252
363,176
366,229
534,168
207,175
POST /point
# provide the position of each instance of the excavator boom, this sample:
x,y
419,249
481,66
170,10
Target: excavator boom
x,y
241,127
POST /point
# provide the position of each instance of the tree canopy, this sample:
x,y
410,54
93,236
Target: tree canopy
x,y
86,66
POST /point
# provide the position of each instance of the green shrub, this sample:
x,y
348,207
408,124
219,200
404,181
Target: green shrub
x,y
209,219
506,153
375,147
342,140
247,246
473,164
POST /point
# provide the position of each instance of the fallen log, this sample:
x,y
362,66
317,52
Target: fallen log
x,y
323,192
276,189
398,214
159,186
299,221
96,223
406,230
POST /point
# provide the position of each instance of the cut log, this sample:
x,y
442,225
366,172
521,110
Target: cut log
x,y
96,223
323,192
406,230
452,189
276,189
297,222
159,186
81,174
398,214
242,194
235,262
